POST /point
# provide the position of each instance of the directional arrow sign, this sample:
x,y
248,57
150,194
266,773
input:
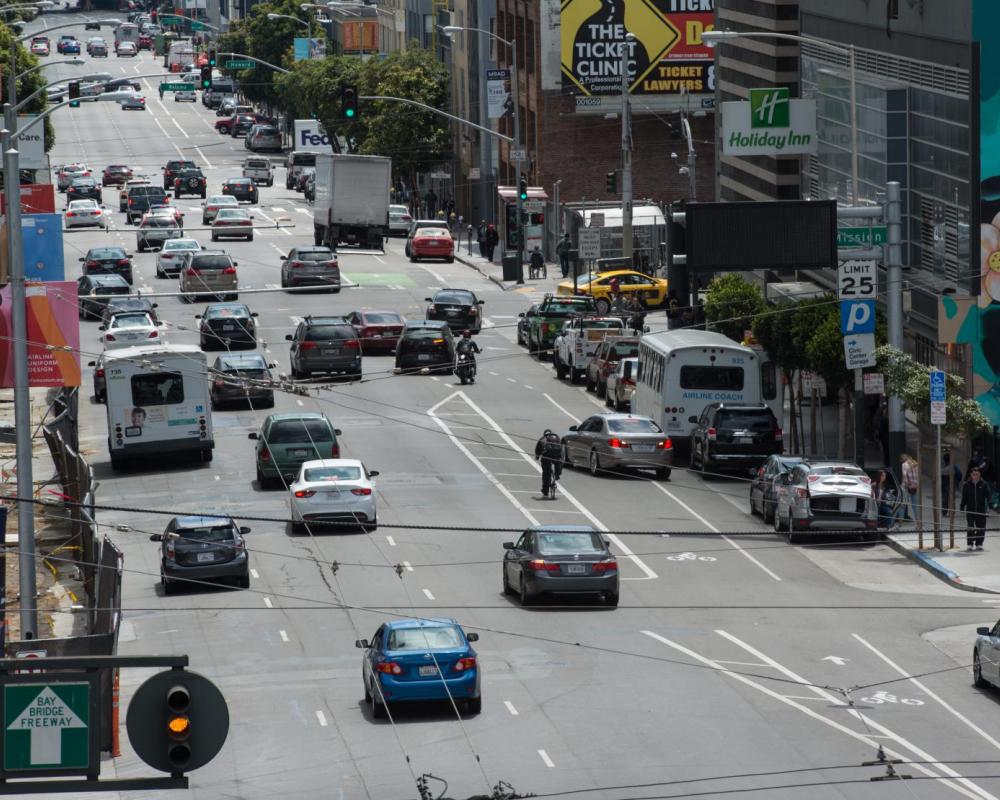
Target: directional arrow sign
x,y
838,660
46,726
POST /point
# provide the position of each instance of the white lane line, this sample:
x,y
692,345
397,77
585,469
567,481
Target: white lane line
x,y
436,277
217,477
514,446
929,693
867,721
861,737
573,417
280,251
510,708
428,595
268,603
528,387
545,758
515,475
712,528
512,380
204,158
284,635
391,541
275,208
253,572
300,402
409,568
553,510
178,126
593,400
303,210
754,664
321,717
494,374
378,259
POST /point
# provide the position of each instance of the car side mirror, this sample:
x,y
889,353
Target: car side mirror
x,y
253,436
155,305
693,420
91,363
156,537
244,530
607,543
983,631
252,313
197,316
627,372
480,302
508,545
336,432
520,315
271,365
572,427
102,328
82,258
362,644
280,255
428,300
472,637
288,337
373,473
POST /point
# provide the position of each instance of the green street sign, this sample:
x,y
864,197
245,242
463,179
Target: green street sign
x,y
237,64
197,26
46,726
177,87
770,108
875,236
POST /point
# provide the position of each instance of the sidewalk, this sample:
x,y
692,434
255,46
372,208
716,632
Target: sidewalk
x,y
976,571
494,271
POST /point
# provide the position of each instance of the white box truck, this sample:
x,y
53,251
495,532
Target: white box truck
x,y
352,200
157,403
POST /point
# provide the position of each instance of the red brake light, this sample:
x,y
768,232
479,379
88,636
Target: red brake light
x,y
664,444
153,335
711,434
605,566
229,271
801,491
305,493
219,384
469,662
615,442
307,345
265,454
335,451
295,264
540,565
352,344
122,262
778,434
70,214
110,337
192,271
361,491
389,668
99,373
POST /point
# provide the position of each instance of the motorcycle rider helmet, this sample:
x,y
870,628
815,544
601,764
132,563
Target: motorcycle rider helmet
x,y
466,334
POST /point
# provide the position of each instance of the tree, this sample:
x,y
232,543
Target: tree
x,y
26,84
731,304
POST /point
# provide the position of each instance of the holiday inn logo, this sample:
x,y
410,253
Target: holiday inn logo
x,y
769,108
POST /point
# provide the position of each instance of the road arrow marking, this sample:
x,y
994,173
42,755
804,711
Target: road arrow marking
x,y
838,660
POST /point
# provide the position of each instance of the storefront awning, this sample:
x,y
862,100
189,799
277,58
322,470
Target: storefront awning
x,y
509,193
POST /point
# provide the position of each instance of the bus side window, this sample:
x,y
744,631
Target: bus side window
x,y
768,380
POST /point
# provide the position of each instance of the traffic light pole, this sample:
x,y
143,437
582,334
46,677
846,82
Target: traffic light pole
x,y
626,152
516,146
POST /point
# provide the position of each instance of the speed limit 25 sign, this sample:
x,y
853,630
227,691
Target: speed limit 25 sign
x,y
857,280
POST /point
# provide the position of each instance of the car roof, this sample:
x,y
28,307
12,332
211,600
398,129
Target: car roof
x,y
562,528
333,462
426,323
293,416
235,359
199,521
422,622
116,279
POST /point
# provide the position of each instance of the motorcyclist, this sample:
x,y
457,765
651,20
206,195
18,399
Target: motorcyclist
x,y
467,347
548,449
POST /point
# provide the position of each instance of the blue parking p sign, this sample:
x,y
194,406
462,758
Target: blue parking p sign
x,y
857,316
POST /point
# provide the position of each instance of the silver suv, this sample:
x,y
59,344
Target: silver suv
x,y
263,137
209,272
325,344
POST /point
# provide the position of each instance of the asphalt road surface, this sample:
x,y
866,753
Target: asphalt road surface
x,y
727,656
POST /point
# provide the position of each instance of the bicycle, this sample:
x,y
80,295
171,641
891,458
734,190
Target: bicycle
x,y
552,489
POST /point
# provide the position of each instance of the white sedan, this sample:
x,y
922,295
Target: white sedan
x,y
333,489
85,214
130,329
986,657
69,173
232,222
40,49
171,257
126,49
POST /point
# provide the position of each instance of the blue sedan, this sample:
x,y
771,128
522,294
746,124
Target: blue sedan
x,y
420,659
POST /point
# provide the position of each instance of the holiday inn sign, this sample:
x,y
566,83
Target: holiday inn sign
x,y
770,124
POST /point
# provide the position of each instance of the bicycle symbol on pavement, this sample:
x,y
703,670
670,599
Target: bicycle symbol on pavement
x,y
885,697
690,557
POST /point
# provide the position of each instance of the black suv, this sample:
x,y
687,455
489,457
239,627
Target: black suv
x,y
190,181
84,189
734,436
172,168
458,307
108,261
242,378
226,326
140,198
425,344
325,344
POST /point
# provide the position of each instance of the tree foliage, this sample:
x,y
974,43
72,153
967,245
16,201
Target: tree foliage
x,y
731,303
26,84
910,381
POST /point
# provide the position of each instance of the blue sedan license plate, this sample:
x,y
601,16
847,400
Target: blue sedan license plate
x,y
427,672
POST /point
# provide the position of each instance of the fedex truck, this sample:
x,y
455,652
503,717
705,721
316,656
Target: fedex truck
x,y
157,403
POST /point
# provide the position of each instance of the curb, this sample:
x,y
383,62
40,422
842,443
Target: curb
x,y
483,272
936,569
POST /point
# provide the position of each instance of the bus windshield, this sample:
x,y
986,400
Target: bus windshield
x,y
716,379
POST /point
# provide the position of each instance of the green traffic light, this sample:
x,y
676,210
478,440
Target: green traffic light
x,y
349,113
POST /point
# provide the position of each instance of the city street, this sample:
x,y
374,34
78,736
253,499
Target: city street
x,y
726,656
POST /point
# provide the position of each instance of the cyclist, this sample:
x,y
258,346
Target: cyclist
x,y
548,449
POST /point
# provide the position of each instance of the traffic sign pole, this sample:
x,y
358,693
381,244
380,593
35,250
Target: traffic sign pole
x,y
938,396
857,282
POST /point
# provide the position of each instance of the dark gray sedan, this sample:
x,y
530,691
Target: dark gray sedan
x,y
560,559
612,441
195,549
314,266
242,378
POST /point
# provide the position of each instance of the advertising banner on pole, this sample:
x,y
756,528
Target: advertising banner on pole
x,y
31,145
498,95
306,48
53,322
36,198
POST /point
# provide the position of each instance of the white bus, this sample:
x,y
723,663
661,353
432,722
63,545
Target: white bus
x,y
682,371
127,32
157,403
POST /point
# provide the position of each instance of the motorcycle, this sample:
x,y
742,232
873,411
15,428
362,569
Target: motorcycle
x,y
466,368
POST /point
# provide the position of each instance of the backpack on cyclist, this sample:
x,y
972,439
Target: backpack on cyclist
x,y
551,446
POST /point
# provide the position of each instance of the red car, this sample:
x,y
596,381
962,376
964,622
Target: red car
x,y
116,175
225,125
378,331
432,243
145,41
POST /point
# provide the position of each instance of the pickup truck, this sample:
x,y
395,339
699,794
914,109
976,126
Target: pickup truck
x,y
259,171
580,338
549,318
612,350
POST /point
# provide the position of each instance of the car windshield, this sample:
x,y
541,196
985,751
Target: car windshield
x,y
226,312
80,205
299,431
106,252
223,200
216,533
457,298
182,244
220,261
147,191
750,420
159,222
837,469
633,425
333,474
437,638
232,213
313,255
595,324
131,321
428,232
78,182
425,333
564,308
568,542
326,333
383,319
622,349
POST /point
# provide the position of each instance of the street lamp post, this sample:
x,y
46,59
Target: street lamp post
x,y
626,151
516,145
273,16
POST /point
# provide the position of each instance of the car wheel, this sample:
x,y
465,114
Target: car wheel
x,y
618,405
160,273
776,520
611,599
223,129
141,247
474,705
526,597
790,535
243,581
168,585
753,505
977,672
588,384
768,515
601,389
205,456
507,588
663,474
378,709
215,238
560,369
595,463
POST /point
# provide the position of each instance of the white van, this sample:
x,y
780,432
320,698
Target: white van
x,y
682,371
157,403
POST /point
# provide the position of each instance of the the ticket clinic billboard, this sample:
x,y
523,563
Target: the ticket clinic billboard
x,y
667,57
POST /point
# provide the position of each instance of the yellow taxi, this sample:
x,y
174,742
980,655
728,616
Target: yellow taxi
x,y
654,290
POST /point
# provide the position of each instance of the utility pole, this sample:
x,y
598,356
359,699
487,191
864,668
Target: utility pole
x,y
894,314
626,151
516,146
692,159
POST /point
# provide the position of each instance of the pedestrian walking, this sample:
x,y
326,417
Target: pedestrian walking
x,y
562,250
492,240
885,498
536,264
911,485
673,309
975,502
951,480
637,308
481,237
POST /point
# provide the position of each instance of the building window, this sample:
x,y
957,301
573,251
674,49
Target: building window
x,y
529,47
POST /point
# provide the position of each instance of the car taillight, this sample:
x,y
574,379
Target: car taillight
x,y
352,344
407,218
70,214
229,271
361,491
389,668
627,382
122,262
617,443
130,201
778,434
664,444
307,345
801,492
265,454
330,264
239,547
177,181
218,384
439,341
93,264
304,493
473,311
469,662
335,451
192,271
153,335
540,565
110,337
296,264
99,373
605,566
171,551
710,433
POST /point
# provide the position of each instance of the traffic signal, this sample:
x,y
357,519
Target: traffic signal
x,y
211,58
523,189
349,102
178,727
74,94
206,77
611,182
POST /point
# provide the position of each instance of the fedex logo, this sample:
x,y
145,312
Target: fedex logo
x,y
310,136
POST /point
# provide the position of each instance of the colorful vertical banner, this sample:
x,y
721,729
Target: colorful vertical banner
x,y
498,95
53,335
